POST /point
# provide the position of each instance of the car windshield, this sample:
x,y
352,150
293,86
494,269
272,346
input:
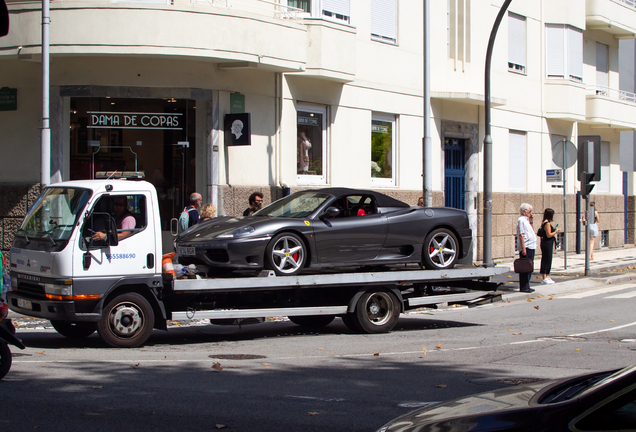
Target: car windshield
x,y
298,205
54,214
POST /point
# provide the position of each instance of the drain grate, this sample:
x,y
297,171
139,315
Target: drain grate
x,y
237,356
519,381
562,338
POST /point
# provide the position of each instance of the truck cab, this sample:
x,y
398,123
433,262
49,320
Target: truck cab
x,y
80,246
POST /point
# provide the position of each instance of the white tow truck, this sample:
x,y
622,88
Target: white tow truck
x,y
64,269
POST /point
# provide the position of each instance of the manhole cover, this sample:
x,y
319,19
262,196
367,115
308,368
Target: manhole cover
x,y
562,338
20,355
518,381
237,356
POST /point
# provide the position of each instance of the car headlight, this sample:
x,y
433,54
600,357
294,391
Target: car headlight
x,y
239,232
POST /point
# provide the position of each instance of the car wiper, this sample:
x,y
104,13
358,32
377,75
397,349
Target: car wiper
x,y
25,235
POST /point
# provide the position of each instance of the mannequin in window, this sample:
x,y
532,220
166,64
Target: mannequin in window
x,y
303,153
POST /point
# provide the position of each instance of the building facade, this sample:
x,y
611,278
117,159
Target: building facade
x,y
334,93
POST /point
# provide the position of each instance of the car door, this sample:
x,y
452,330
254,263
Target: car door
x,y
349,237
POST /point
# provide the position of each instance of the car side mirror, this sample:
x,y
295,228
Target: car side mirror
x,y
331,212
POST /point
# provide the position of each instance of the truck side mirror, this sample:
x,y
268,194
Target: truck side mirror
x,y
86,260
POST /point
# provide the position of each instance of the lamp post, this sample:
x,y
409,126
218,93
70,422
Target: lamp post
x,y
487,223
45,137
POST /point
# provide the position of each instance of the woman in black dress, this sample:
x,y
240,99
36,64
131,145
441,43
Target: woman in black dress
x,y
547,245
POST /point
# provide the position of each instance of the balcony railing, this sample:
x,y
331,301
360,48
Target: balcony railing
x,y
630,3
611,93
280,11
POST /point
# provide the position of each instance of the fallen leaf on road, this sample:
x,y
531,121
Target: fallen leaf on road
x,y
577,349
559,331
540,296
550,298
536,307
424,350
98,387
509,276
217,366
466,373
312,413
611,320
320,349
510,282
135,366
529,300
376,354
40,352
509,330
219,426
517,333
440,386
438,346
266,364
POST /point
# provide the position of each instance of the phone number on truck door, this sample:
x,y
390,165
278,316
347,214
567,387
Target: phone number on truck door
x,y
120,256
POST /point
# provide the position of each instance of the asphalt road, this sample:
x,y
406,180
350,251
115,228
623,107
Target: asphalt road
x,y
277,376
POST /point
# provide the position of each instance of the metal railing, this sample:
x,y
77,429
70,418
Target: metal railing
x,y
280,11
630,3
611,93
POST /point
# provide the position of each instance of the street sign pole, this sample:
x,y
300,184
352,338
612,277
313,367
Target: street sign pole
x,y
565,208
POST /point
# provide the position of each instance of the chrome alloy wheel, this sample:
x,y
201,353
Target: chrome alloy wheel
x,y
288,254
442,249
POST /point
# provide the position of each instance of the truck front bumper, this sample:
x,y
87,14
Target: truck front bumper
x,y
52,309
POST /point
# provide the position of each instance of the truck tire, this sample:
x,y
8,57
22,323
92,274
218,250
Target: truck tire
x,y
350,322
440,250
376,311
312,320
5,359
73,330
285,254
127,321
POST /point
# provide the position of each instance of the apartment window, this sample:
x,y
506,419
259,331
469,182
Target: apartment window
x,y
338,10
564,52
603,185
311,129
384,20
602,69
517,160
382,150
516,43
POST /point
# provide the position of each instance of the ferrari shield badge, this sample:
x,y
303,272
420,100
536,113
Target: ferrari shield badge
x,y
307,223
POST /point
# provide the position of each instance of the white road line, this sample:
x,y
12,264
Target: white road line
x,y
622,296
605,330
597,291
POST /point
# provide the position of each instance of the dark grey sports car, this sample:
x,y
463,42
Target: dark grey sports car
x,y
330,227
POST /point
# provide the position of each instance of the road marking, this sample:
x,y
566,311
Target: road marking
x,y
597,291
624,295
605,330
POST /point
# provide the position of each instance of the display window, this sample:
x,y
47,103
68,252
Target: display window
x,y
156,136
311,144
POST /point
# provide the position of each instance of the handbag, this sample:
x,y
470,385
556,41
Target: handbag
x,y
523,265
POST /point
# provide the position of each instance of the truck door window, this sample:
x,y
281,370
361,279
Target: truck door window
x,y
128,211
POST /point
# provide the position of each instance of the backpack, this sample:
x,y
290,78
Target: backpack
x,y
184,220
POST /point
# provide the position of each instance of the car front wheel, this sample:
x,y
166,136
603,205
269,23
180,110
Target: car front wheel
x,y
285,254
440,250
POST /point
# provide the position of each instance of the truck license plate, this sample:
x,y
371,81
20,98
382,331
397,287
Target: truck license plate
x,y
186,251
25,304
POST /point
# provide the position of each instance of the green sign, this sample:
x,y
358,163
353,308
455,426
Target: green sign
x,y
8,99
237,103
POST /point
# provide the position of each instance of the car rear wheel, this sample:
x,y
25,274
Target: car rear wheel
x,y
440,250
285,254
377,311
73,330
312,320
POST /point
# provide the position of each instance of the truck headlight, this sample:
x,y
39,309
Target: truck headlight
x,y
58,290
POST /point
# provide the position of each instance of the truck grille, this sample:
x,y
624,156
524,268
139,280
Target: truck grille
x,y
31,290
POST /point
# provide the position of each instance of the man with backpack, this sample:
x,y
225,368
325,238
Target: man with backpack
x,y
190,215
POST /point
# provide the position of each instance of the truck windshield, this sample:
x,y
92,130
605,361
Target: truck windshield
x,y
54,214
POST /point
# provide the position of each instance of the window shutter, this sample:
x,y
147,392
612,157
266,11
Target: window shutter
x,y
602,68
517,39
516,160
555,51
384,19
340,7
604,184
575,53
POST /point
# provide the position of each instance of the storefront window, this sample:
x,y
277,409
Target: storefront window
x,y
311,142
156,136
382,149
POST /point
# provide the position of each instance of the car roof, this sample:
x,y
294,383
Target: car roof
x,y
381,199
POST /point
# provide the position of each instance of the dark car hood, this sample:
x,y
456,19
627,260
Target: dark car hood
x,y
447,415
209,229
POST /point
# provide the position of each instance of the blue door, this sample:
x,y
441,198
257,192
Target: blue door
x,y
454,173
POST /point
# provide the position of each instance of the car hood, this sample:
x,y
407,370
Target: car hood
x,y
209,229
464,414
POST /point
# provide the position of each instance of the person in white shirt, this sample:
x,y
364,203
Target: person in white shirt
x,y
527,243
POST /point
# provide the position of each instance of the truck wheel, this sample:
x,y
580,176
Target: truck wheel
x,y
126,321
440,250
5,359
73,330
376,312
350,322
285,254
313,320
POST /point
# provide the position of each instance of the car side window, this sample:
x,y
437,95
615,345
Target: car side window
x,y
616,415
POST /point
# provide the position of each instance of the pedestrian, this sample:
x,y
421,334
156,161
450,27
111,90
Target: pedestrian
x,y
192,209
256,202
593,230
207,211
420,202
527,243
547,233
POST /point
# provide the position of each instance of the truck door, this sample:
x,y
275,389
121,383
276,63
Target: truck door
x,y
135,253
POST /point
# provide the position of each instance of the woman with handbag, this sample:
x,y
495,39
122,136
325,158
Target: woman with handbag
x,y
547,233
527,244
